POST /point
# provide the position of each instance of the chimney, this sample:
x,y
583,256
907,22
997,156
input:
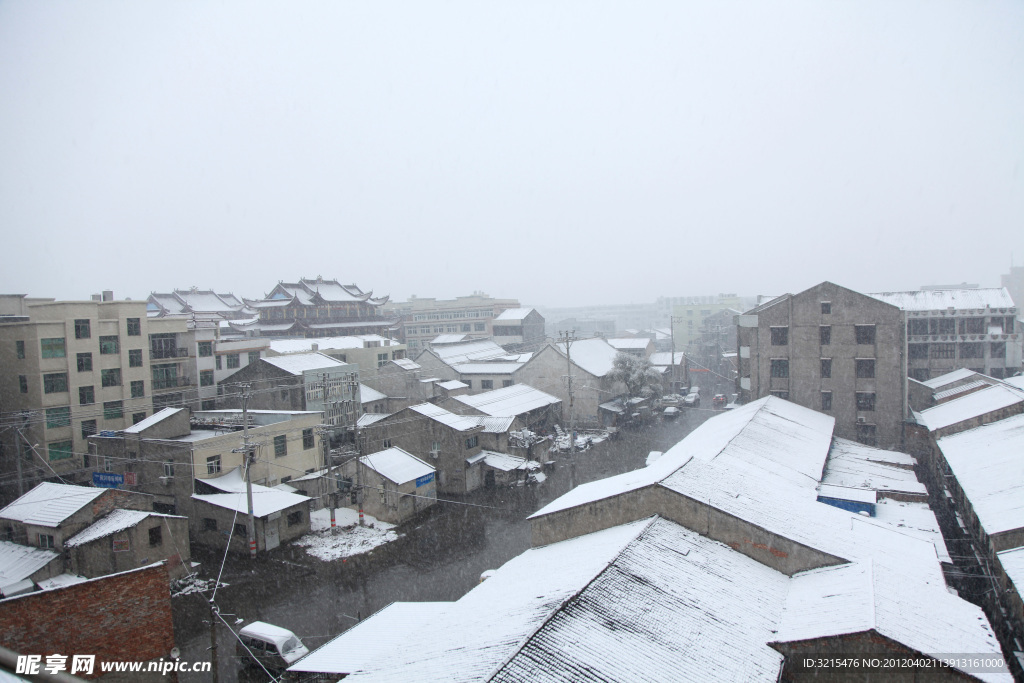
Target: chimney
x,y
97,297
108,295
316,347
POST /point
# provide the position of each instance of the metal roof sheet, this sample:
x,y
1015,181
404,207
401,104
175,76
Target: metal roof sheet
x,y
50,504
18,562
298,363
944,299
397,465
509,401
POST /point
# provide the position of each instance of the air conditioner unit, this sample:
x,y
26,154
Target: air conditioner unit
x,y
166,481
860,420
434,453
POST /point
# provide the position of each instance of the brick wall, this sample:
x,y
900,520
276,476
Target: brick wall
x,y
124,617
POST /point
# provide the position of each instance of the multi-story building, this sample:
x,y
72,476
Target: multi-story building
x,y
830,349
519,329
422,318
74,368
689,315
1013,282
968,328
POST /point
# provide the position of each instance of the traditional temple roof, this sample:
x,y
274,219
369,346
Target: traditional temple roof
x,y
310,292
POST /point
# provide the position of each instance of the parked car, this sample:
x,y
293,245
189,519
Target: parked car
x,y
719,402
670,413
692,400
671,400
275,647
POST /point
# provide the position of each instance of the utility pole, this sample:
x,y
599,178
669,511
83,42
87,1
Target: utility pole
x,y
672,355
354,386
247,448
569,338
213,639
17,450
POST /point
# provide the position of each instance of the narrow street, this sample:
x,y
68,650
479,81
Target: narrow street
x,y
439,558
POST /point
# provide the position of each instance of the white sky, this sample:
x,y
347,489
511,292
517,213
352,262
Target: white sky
x,y
562,153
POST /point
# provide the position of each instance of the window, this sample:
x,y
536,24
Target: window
x,y
209,524
138,388
86,395
972,350
864,334
209,404
138,417
52,348
972,326
58,417
479,327
109,345
134,327
205,349
469,383
865,400
472,442
213,465
825,335
155,537
917,351
135,358
866,434
113,410
55,383
295,518
19,346
108,464
84,362
826,368
486,384
88,428
997,350
241,530
82,329
206,378
387,443
217,362
942,350
280,445
780,367
826,400
780,394
942,326
917,327
23,384
865,368
254,356
466,327
780,336
233,361
506,383
165,376
59,450
382,359
307,439
168,468
45,540
826,307
284,394
110,378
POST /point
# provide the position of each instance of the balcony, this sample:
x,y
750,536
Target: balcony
x,y
170,383
158,354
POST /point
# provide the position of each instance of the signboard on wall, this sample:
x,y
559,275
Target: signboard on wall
x,y
107,480
424,480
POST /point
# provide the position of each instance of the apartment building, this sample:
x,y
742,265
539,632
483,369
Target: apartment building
x,y
424,318
69,369
830,349
689,315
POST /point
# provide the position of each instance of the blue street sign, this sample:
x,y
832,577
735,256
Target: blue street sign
x,y
107,480
425,479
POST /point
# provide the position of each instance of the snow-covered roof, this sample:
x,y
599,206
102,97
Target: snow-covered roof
x,y
367,419
914,519
61,581
515,314
369,394
406,363
988,463
971,406
458,422
114,522
265,500
867,596
855,465
452,385
371,639
449,338
482,349
297,363
850,493
305,345
153,419
596,356
941,396
509,401
664,358
493,425
943,299
623,343
1017,381
1012,562
397,465
504,461
50,504
486,368
18,562
941,381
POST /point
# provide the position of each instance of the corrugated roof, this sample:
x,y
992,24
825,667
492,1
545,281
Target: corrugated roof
x,y
367,419
1012,562
50,504
469,351
855,465
112,523
152,420
963,389
406,363
664,358
948,378
504,461
486,368
298,363
397,465
493,425
596,356
849,493
988,463
509,401
971,406
457,422
942,299
357,341
621,343
18,562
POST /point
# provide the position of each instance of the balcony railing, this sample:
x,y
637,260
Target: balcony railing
x,y
170,383
156,354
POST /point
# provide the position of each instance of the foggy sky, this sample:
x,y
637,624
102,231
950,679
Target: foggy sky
x,y
558,152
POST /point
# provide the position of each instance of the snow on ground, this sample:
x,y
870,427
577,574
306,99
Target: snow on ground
x,y
350,538
193,584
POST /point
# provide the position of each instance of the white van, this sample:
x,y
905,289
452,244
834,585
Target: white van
x,y
275,647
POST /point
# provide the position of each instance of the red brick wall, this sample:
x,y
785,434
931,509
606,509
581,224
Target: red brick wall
x,y
125,617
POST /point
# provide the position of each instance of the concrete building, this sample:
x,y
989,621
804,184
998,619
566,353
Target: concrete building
x,y
127,539
1013,283
369,352
959,328
830,349
519,329
690,314
422,318
532,409
69,369
196,303
396,485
